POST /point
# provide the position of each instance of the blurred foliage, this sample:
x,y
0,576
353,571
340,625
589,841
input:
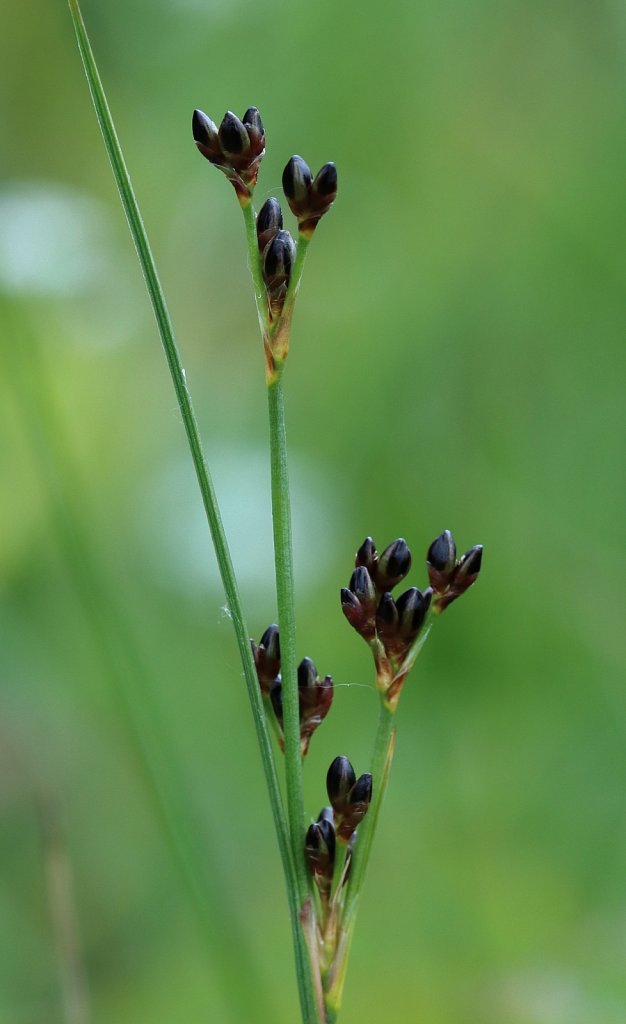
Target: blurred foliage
x,y
457,362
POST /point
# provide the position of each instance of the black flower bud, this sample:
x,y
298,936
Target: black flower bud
x,y
362,587
367,555
204,131
412,606
297,181
278,259
358,803
269,222
315,699
319,849
267,658
339,781
441,561
307,674
233,136
325,183
393,565
254,125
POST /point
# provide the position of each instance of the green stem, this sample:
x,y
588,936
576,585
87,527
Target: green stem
x,y
283,556
131,209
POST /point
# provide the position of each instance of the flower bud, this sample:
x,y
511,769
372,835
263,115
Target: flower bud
x,y
351,608
204,133
319,849
412,606
441,561
367,555
358,803
278,259
339,781
267,658
233,137
307,674
393,565
315,700
362,587
269,222
325,183
297,181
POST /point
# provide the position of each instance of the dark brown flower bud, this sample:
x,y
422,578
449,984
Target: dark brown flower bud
x,y
269,222
469,567
393,565
267,658
362,790
319,849
278,259
315,700
362,587
339,781
367,555
205,134
358,803
412,606
441,561
297,181
351,608
234,139
307,674
254,126
325,183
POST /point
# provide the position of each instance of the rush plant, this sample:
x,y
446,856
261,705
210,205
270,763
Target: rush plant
x,y
324,860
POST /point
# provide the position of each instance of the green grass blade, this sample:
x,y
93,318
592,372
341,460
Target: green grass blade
x,y
209,499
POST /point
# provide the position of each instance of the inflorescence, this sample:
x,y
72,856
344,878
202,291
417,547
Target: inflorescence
x,y
237,148
393,627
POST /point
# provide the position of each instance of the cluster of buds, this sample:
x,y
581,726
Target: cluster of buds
x,y
278,250
451,576
315,695
309,198
389,626
392,627
236,147
350,797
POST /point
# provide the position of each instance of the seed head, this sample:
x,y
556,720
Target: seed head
x,y
237,147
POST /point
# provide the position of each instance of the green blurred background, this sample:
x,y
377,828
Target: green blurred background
x,y
457,362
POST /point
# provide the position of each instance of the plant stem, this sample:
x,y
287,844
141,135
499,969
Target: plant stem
x,y
131,209
283,556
